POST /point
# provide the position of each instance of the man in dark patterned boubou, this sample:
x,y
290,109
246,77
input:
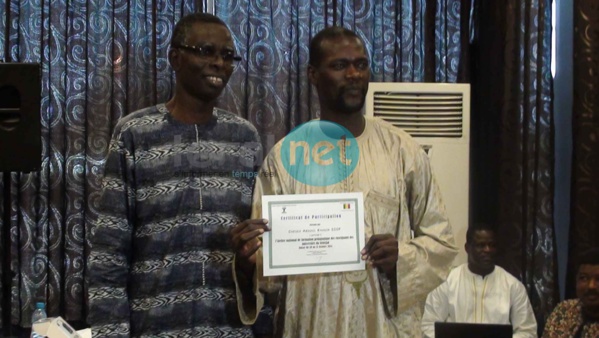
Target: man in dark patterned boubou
x,y
160,262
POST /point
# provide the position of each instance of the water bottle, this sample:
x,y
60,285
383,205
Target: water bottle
x,y
39,313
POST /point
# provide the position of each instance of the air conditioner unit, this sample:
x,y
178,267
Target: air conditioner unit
x,y
437,115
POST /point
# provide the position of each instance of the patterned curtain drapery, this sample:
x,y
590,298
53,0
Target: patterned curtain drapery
x,y
584,221
100,60
512,140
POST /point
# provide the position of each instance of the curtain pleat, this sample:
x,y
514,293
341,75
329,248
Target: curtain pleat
x,y
584,215
513,140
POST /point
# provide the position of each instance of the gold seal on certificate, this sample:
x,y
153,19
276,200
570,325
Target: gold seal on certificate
x,y
313,233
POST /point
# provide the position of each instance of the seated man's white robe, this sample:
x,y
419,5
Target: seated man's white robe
x,y
465,297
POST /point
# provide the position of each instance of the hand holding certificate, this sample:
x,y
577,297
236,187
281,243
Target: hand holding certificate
x,y
313,233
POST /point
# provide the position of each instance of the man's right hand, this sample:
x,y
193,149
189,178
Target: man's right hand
x,y
245,242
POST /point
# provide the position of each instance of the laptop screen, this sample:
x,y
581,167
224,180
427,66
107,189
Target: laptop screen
x,y
462,330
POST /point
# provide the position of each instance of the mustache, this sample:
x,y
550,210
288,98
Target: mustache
x,y
353,87
591,293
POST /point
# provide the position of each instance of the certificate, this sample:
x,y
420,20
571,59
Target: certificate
x,y
313,233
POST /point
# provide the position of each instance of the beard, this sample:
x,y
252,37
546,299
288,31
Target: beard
x,y
349,103
591,311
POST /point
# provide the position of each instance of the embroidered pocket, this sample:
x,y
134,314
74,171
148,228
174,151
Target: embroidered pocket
x,y
381,214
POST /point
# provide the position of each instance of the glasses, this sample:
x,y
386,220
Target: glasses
x,y
208,52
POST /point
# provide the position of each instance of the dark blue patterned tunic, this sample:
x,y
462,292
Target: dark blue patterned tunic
x,y
160,262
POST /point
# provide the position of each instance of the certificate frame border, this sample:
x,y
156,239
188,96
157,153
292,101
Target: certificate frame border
x,y
273,267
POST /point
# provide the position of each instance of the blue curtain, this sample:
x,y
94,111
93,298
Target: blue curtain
x,y
411,41
270,87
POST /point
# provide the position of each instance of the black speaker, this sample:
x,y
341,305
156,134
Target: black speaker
x,y
20,127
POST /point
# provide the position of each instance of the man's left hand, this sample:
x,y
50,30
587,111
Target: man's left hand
x,y
382,252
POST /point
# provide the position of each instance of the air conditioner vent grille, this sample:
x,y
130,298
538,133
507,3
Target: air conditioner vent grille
x,y
422,114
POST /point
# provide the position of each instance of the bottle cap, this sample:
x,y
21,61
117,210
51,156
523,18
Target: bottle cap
x,y
40,305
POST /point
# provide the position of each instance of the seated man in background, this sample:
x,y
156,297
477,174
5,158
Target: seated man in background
x,y
579,317
480,292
